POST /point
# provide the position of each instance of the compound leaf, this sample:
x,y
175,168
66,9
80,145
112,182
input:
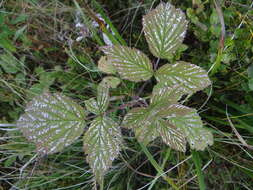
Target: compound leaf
x,y
190,123
130,63
102,144
164,29
147,126
189,77
52,122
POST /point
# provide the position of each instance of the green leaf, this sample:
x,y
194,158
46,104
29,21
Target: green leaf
x,y
135,117
165,95
189,77
250,71
10,64
92,106
190,123
52,122
164,29
103,97
7,44
171,135
99,105
141,121
174,109
19,32
112,82
147,126
250,83
105,65
146,133
130,63
102,144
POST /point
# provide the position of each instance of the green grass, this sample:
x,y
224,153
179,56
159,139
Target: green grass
x,y
38,41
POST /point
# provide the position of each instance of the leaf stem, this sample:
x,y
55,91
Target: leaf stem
x,y
197,161
157,167
156,64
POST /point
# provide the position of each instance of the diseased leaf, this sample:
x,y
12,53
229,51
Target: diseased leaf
x,y
99,105
164,29
102,97
202,138
190,123
140,120
52,122
147,126
92,106
130,63
146,132
105,65
189,77
171,135
136,116
166,95
173,110
112,82
102,144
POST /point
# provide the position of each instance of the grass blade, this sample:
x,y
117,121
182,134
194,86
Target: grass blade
x,y
197,162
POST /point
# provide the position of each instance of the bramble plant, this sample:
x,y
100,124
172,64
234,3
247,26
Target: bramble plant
x,y
54,121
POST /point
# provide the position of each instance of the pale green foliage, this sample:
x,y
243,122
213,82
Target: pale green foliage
x,y
130,63
189,77
164,29
165,94
105,65
174,123
52,122
149,124
100,105
171,135
190,122
102,144
92,106
9,63
112,82
141,120
102,97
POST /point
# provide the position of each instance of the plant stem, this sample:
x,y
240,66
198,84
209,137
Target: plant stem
x,y
157,167
163,165
101,185
197,161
